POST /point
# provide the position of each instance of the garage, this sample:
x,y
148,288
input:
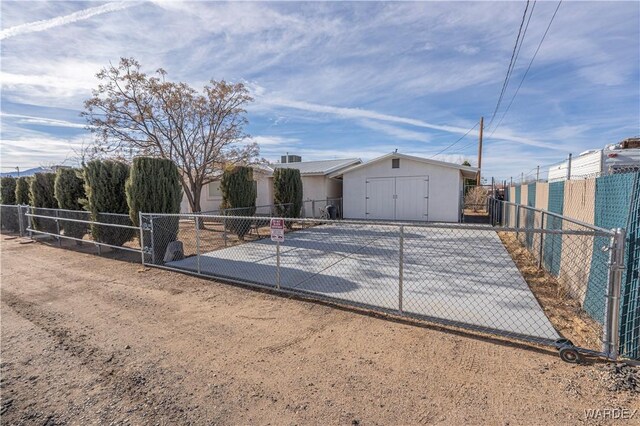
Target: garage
x,y
401,187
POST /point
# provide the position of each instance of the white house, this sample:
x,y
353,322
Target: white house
x,y
404,188
317,183
319,187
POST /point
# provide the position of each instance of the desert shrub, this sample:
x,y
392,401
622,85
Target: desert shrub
x,y
287,192
22,190
42,199
239,193
105,190
154,187
476,198
69,191
8,190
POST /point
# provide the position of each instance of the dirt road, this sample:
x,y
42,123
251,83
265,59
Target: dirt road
x,y
87,339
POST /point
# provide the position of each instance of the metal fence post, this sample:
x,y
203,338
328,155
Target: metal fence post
x,y
20,225
401,269
540,249
313,208
278,265
198,241
517,221
224,230
140,219
153,252
58,229
30,210
612,324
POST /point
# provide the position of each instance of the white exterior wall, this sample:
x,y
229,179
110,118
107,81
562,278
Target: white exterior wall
x,y
333,188
212,204
314,188
445,186
264,189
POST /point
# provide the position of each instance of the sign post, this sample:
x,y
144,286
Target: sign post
x,y
277,235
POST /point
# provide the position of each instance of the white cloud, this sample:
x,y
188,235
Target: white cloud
x,y
395,131
263,140
42,121
80,15
357,113
33,151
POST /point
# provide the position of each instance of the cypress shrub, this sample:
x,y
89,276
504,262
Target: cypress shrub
x,y
22,190
239,193
154,187
8,190
287,192
105,190
69,190
42,199
8,215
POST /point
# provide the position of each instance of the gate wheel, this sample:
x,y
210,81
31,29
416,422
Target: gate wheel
x,y
570,354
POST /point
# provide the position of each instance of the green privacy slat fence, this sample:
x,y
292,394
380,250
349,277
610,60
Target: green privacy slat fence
x,y
613,193
553,242
630,298
530,214
617,205
518,194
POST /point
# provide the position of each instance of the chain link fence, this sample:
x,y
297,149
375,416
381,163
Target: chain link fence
x,y
534,275
72,228
319,208
488,279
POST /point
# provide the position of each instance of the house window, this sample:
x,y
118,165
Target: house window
x,y
214,190
395,163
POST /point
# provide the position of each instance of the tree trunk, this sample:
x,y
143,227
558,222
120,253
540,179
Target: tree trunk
x,y
196,190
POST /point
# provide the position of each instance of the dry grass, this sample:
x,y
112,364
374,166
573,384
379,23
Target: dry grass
x,y
564,312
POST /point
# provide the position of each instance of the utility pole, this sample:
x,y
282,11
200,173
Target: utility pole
x,y
480,150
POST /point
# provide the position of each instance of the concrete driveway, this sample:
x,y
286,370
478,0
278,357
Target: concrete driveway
x,y
455,275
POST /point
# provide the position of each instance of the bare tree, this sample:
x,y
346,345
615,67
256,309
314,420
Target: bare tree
x,y
132,113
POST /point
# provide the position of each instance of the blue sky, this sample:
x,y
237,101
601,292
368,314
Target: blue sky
x,y
335,79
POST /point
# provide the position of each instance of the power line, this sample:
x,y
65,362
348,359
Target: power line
x,y
528,68
510,67
462,137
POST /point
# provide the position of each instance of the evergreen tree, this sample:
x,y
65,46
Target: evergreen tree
x,y
8,190
22,190
239,193
105,189
69,192
287,192
154,187
42,199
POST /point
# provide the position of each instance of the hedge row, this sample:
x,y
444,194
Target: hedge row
x,y
111,191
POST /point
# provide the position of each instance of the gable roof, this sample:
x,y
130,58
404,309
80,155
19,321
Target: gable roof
x,y
467,171
322,168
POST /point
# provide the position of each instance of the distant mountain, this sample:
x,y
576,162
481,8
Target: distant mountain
x,y
30,172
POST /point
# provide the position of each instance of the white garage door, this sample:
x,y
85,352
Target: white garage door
x,y
398,198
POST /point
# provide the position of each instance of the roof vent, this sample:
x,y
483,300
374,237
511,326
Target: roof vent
x,y
290,159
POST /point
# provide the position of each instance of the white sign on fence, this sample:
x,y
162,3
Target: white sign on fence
x,y
277,230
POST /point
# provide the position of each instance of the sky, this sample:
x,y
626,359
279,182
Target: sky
x,y
339,79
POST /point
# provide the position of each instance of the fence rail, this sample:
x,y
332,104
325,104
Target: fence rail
x,y
112,230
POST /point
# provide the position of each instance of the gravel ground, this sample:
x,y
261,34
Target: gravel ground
x,y
93,340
